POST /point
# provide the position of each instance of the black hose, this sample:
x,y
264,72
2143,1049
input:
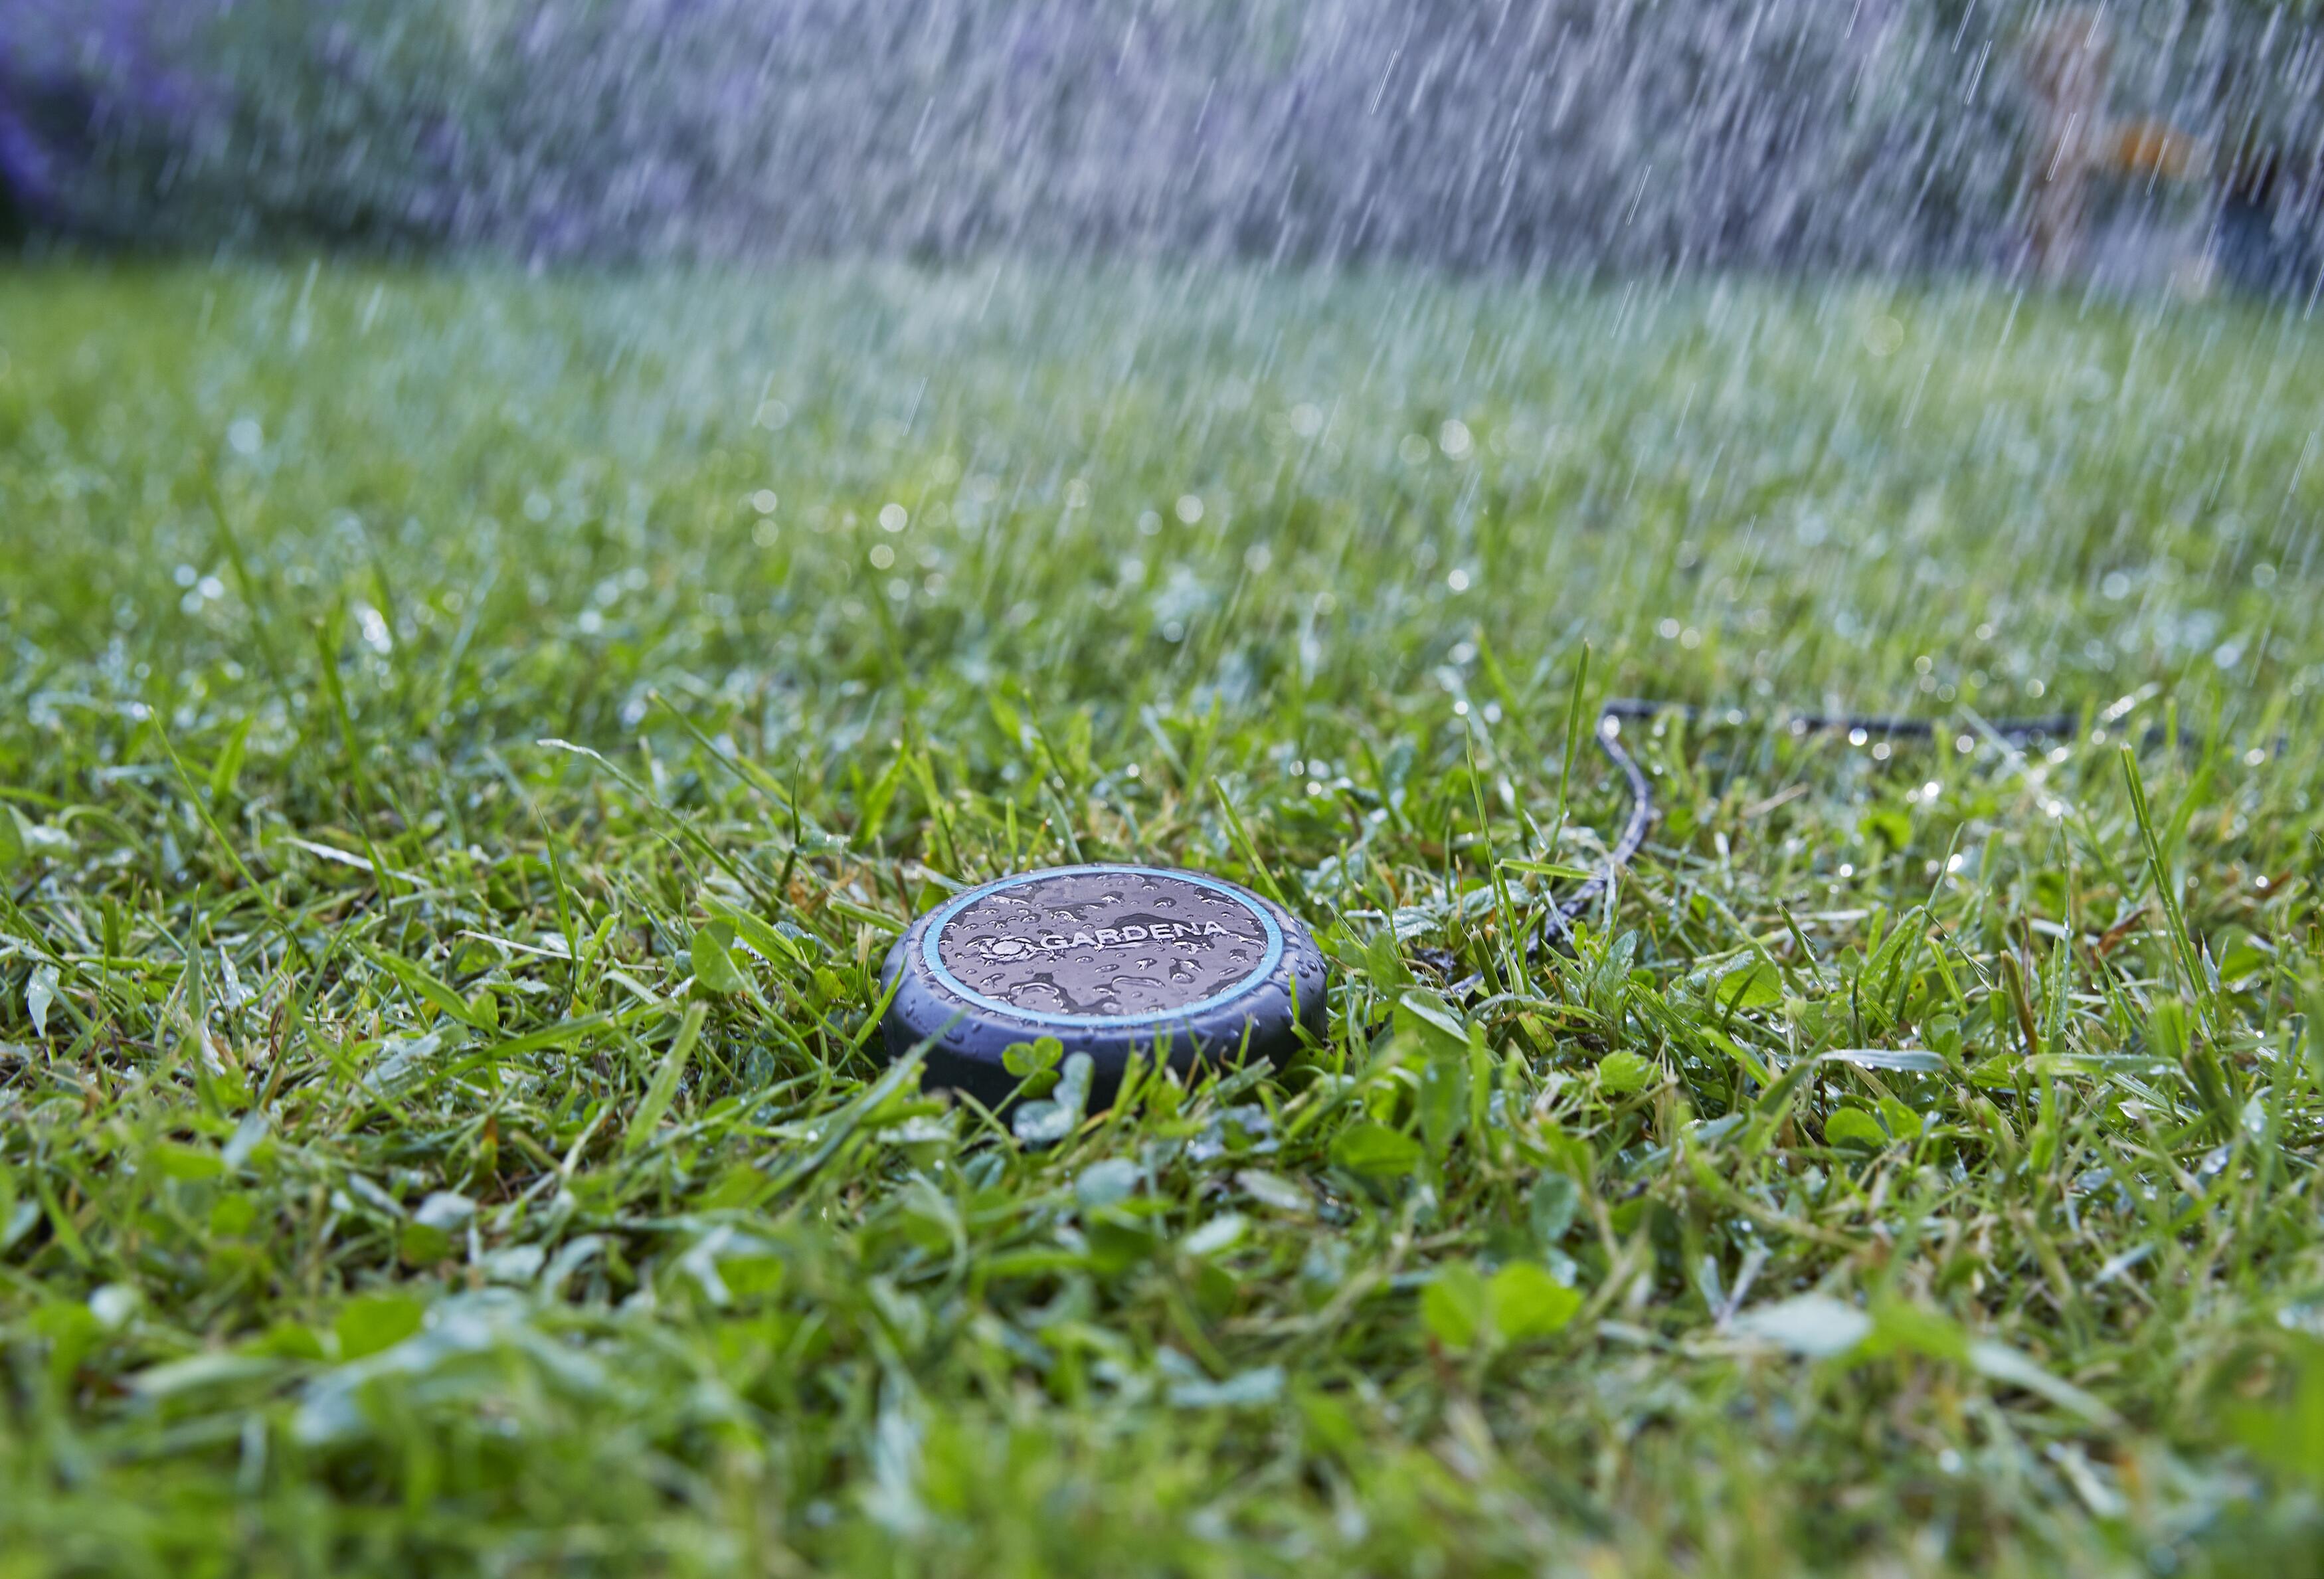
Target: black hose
x,y
1556,931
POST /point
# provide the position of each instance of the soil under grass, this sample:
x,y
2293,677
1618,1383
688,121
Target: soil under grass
x,y
467,742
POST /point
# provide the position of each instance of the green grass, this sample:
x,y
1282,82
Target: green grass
x,y
402,676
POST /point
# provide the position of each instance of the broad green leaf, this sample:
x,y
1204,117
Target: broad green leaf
x,y
1624,1072
1221,1233
422,1245
1119,1242
1528,1303
40,992
366,1326
1106,1183
1035,1063
1376,1151
1043,1124
232,1216
1752,985
1899,1121
1889,825
72,1331
1443,1100
1551,1208
289,1340
187,1162
1331,1424
1456,1307
715,969
1272,1189
1852,1126
1423,1020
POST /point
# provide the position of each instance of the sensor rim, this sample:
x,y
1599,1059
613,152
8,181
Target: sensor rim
x,y
962,1034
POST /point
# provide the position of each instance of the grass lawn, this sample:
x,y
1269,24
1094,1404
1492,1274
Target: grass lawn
x,y
467,742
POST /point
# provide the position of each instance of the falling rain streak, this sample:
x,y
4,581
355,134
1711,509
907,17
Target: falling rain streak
x,y
2116,144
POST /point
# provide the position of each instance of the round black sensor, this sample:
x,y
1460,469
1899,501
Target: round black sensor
x,y
1108,960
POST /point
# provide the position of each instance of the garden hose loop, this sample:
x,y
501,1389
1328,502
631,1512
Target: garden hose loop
x,y
1555,933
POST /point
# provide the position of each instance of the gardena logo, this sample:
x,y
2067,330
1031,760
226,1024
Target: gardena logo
x,y
1128,935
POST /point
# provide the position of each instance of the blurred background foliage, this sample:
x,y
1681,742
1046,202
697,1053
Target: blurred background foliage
x,y
1622,134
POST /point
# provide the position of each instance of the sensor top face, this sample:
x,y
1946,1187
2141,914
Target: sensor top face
x,y
1108,960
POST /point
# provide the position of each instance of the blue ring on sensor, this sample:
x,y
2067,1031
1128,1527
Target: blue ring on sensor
x,y
1260,973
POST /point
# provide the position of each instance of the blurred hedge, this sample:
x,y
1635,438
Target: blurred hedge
x,y
1625,133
